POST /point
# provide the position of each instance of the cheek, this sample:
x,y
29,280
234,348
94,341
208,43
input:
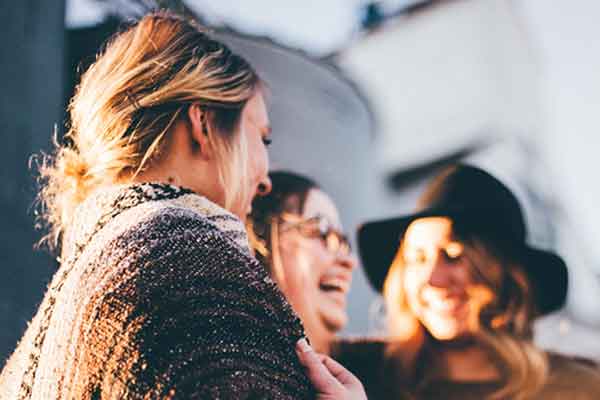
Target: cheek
x,y
321,257
463,273
298,271
258,160
463,278
414,280
480,296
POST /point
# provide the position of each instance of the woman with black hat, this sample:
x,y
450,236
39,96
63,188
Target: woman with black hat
x,y
462,289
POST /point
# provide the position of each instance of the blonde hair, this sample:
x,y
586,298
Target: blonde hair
x,y
140,84
503,325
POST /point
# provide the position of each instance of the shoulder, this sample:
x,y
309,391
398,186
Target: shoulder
x,y
576,376
176,248
161,254
146,213
561,361
161,235
170,221
205,306
176,256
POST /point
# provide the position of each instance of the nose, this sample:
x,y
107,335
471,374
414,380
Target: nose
x,y
441,272
348,261
265,186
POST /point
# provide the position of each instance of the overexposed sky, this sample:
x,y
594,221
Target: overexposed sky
x,y
317,26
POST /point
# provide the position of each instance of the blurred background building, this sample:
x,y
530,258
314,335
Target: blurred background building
x,y
371,99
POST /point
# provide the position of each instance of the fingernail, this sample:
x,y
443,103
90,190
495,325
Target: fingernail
x,y
303,345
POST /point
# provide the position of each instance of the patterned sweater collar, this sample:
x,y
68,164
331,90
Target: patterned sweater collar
x,y
106,203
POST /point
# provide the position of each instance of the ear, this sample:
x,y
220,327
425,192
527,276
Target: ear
x,y
199,131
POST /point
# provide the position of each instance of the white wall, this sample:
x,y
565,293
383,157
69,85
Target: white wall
x,y
566,36
522,76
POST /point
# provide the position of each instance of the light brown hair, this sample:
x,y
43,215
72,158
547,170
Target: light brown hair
x,y
141,83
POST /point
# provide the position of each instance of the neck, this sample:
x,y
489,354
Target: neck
x,y
153,176
465,363
180,165
320,337
321,345
175,175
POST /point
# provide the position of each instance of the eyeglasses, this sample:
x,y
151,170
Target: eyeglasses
x,y
317,227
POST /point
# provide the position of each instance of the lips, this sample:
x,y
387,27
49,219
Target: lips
x,y
335,287
445,304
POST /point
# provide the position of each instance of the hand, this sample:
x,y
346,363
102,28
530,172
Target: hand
x,y
331,380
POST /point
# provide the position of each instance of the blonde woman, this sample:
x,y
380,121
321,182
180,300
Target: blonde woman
x,y
299,237
157,294
462,289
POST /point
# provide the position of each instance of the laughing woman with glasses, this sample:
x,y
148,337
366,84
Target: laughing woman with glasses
x,y
298,235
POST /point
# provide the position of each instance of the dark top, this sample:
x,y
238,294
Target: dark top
x,y
570,378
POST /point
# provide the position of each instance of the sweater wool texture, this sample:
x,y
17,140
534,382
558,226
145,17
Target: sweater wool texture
x,y
158,297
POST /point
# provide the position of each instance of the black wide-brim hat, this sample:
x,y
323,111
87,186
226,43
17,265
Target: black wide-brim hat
x,y
478,203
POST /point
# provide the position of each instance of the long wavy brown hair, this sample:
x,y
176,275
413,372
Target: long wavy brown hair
x,y
503,323
141,83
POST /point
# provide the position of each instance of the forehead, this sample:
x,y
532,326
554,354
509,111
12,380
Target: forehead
x,y
430,230
318,203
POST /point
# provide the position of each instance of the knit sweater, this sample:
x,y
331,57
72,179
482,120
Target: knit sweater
x,y
157,296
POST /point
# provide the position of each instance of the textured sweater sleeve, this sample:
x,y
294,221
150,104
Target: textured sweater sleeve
x,y
187,314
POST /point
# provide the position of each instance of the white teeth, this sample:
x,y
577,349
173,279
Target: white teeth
x,y
445,304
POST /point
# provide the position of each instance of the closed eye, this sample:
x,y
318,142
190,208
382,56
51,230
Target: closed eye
x,y
454,251
416,257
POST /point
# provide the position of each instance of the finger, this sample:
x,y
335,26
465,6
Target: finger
x,y
319,375
340,373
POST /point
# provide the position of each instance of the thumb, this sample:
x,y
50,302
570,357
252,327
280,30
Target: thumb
x,y
323,381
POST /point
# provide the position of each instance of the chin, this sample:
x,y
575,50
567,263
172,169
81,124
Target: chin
x,y
444,331
443,336
334,323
